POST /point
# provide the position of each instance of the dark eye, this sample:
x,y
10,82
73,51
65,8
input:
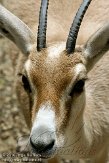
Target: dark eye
x,y
26,84
78,88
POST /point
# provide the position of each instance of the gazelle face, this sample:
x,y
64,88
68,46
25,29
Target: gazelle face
x,y
56,84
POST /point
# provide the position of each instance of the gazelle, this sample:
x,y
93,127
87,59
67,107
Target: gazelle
x,y
63,89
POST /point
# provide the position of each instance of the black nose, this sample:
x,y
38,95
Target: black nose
x,y
41,146
42,140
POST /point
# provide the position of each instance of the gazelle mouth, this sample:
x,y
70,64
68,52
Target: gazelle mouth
x,y
44,155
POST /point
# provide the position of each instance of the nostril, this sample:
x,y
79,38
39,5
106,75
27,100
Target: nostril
x,y
49,146
41,146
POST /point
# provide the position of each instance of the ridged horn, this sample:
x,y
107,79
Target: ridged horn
x,y
41,35
71,40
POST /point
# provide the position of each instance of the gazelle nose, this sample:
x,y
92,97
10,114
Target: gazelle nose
x,y
42,140
42,147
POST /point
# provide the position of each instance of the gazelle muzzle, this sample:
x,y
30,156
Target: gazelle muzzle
x,y
42,138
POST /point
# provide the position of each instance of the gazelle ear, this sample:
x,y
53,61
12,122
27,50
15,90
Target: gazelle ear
x,y
15,30
97,42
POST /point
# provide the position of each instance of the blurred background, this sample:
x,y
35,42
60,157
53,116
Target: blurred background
x,y
12,124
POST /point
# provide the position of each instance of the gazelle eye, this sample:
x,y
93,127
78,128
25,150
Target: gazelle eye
x,y
26,84
78,88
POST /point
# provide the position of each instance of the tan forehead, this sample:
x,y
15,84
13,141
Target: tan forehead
x,y
52,64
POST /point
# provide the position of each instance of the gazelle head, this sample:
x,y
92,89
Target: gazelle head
x,y
54,77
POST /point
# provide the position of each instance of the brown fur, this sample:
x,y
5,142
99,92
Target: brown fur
x,y
48,77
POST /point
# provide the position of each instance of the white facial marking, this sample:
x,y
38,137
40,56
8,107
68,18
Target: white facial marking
x,y
45,117
27,68
27,65
54,51
78,68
